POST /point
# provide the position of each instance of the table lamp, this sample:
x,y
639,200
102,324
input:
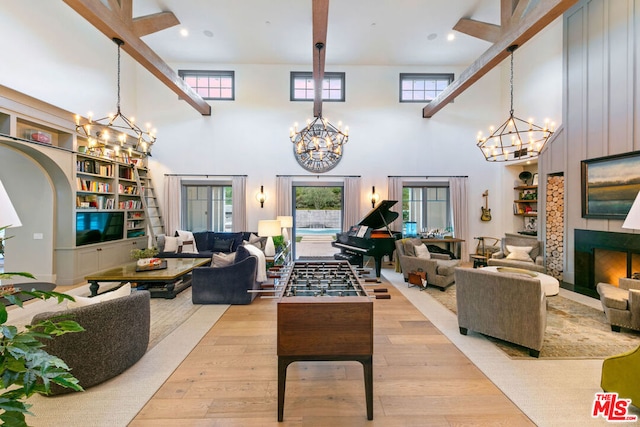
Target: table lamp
x,y
8,215
285,222
632,220
269,228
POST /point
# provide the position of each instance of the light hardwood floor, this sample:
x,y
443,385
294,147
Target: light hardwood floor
x,y
420,378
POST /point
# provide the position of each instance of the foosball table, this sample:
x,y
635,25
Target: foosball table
x,y
324,314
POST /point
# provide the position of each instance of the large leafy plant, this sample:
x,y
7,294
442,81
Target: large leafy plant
x,y
25,367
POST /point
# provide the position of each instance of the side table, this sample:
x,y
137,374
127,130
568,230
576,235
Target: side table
x,y
478,260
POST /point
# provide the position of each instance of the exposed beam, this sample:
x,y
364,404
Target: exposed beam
x,y
110,23
480,30
153,23
532,23
320,21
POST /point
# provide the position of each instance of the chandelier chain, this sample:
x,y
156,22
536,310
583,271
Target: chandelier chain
x,y
118,103
511,83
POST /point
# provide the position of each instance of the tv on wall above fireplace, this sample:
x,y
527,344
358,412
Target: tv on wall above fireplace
x,y
610,185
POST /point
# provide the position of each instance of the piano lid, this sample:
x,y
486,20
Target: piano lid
x,y
380,216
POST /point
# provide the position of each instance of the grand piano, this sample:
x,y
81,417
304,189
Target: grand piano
x,y
371,236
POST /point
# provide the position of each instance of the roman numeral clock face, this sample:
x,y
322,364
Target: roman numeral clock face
x,y
316,153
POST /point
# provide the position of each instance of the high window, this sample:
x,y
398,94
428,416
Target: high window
x,y
209,84
302,87
428,206
422,87
207,207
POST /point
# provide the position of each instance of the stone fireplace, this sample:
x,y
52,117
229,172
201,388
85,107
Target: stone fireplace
x,y
603,256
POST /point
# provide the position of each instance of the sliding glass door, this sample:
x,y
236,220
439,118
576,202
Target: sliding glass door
x,y
317,213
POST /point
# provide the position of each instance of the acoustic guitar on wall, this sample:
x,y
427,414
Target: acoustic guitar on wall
x,y
486,212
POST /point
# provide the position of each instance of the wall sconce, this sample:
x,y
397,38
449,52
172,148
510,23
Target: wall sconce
x,y
374,197
261,197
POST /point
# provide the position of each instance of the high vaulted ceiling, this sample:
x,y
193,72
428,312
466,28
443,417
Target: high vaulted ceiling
x,y
360,32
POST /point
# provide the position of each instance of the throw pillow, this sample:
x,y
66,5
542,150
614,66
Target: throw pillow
x,y
422,252
519,253
222,259
258,242
160,239
171,244
409,248
187,236
188,247
123,291
222,245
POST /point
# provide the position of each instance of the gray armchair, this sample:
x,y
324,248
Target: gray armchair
x,y
116,336
534,261
507,306
439,269
229,284
621,304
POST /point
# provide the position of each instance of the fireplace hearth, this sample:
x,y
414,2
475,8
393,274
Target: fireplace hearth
x,y
603,256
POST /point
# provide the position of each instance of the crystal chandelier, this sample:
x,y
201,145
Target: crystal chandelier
x,y
515,139
117,130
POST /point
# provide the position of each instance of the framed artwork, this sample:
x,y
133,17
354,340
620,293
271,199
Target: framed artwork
x,y
534,181
610,185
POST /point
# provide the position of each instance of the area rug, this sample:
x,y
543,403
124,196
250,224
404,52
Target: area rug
x,y
176,328
574,330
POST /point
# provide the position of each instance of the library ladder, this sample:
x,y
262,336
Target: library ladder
x,y
149,203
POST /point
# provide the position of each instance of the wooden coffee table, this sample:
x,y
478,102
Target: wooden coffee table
x,y
164,283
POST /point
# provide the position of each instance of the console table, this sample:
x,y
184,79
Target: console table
x,y
453,244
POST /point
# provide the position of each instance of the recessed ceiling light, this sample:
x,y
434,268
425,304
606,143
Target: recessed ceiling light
x,y
432,36
451,36
184,32
207,33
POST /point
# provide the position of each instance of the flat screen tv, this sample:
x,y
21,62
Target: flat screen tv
x,y
96,227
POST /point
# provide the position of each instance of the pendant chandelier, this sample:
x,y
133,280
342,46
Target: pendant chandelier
x,y
515,139
318,146
117,131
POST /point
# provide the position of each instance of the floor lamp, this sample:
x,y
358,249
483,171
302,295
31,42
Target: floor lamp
x,y
269,228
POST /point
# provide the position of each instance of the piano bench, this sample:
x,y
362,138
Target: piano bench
x,y
353,259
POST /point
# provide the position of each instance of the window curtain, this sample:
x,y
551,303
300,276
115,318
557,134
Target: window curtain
x,y
239,203
172,204
284,205
458,192
395,193
352,199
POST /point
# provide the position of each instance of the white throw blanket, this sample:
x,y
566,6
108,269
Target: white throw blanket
x,y
262,262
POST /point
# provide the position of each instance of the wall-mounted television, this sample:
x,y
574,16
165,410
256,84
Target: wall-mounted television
x,y
96,227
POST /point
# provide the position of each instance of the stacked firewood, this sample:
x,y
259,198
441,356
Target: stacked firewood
x,y
555,226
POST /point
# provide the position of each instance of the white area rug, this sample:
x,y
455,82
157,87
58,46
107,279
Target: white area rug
x,y
177,327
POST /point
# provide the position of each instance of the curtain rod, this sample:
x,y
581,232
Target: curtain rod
x,y
198,174
428,176
318,176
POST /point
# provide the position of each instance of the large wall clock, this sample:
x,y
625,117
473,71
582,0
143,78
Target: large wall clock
x,y
317,161
318,148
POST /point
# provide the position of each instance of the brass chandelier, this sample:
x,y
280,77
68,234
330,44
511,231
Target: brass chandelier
x,y
117,130
515,139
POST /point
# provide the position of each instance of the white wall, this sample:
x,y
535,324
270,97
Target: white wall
x,y
76,71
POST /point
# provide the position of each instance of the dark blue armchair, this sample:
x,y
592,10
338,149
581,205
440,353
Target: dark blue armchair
x,y
229,284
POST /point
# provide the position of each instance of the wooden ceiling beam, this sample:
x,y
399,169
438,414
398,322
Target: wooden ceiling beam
x,y
153,23
480,30
535,19
320,15
112,24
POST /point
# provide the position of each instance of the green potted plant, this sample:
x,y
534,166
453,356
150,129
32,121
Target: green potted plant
x,y
25,366
144,253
